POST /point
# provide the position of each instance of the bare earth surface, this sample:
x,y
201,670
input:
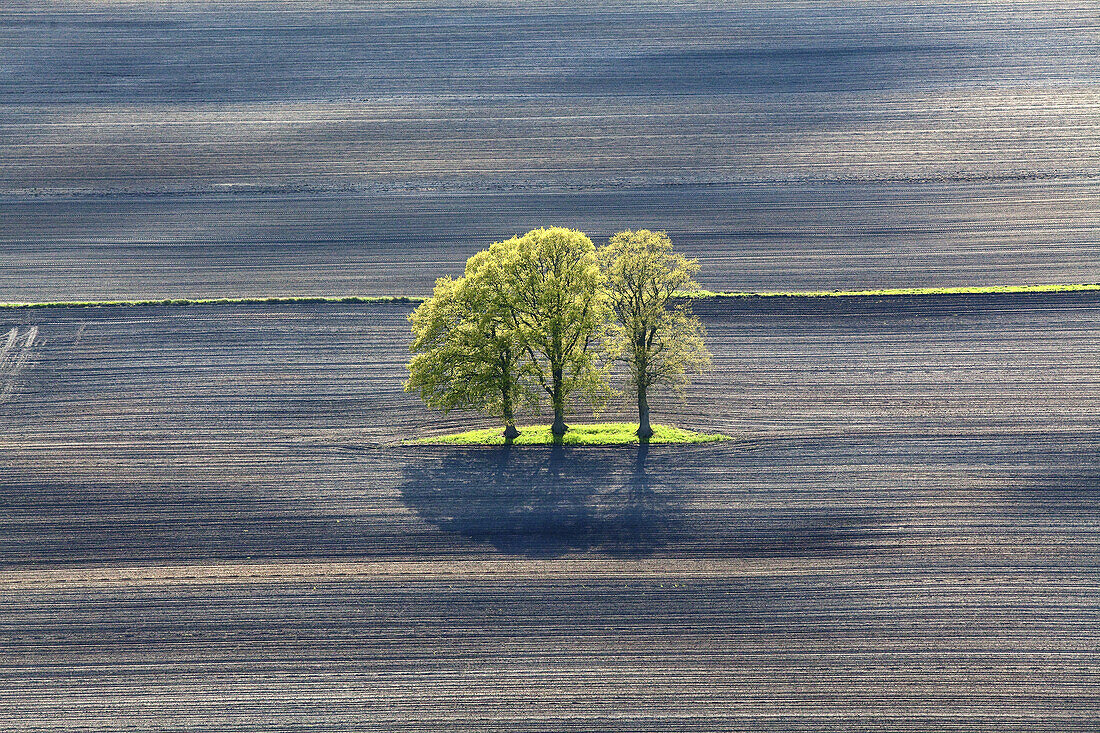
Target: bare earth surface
x,y
156,149
207,525
207,522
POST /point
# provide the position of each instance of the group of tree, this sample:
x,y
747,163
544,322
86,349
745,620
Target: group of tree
x,y
546,315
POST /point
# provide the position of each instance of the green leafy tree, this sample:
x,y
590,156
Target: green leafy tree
x,y
549,283
468,355
660,340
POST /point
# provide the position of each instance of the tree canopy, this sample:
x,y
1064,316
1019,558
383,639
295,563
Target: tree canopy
x,y
468,354
660,341
549,284
543,315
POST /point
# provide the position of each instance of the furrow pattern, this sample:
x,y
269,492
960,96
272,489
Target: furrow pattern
x,y
151,149
208,525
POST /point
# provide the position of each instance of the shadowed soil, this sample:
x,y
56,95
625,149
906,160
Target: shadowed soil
x,y
152,150
207,524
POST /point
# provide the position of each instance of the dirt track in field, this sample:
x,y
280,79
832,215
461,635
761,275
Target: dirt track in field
x,y
207,526
152,149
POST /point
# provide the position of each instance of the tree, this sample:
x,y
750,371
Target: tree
x,y
661,342
468,353
549,283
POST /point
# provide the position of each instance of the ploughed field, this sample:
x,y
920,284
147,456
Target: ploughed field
x,y
158,149
209,524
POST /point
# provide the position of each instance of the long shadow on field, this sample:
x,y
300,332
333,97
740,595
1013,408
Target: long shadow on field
x,y
687,501
625,502
538,501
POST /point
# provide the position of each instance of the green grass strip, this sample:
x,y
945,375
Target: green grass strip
x,y
609,433
884,292
961,290
214,301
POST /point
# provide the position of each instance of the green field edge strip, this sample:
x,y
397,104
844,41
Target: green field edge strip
x,y
580,434
698,294
214,301
956,290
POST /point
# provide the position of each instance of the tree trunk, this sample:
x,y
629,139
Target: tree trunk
x,y
641,377
645,431
559,427
510,432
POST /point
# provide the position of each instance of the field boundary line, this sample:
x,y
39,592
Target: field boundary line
x,y
212,301
696,295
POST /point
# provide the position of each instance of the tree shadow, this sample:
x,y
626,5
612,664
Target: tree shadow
x,y
639,514
622,501
708,501
545,501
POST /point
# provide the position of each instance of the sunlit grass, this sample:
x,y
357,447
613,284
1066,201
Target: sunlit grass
x,y
212,301
959,290
610,433
884,292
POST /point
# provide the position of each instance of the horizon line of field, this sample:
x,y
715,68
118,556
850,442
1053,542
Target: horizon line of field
x,y
698,294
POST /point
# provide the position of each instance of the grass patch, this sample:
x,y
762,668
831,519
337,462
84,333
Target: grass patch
x,y
608,433
960,290
213,301
884,292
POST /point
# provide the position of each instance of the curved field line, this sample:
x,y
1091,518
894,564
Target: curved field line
x,y
12,360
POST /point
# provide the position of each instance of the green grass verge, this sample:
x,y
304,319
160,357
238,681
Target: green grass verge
x,y
608,433
963,290
212,301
